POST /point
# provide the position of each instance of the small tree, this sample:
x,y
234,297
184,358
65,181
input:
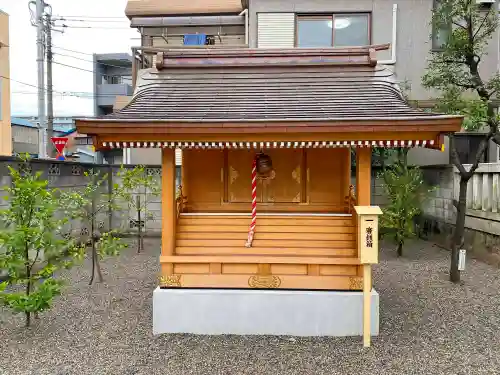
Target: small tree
x,y
405,189
86,206
31,245
134,184
454,72
94,201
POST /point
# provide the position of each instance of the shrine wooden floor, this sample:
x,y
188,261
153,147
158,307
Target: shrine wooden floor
x,y
303,251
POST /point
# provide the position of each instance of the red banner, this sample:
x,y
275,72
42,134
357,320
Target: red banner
x,y
59,143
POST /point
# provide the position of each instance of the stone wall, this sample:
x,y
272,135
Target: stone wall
x,y
482,228
71,176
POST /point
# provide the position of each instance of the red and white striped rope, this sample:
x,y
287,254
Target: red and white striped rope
x,y
254,204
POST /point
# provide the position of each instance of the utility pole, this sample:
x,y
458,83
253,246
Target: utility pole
x,y
40,6
50,103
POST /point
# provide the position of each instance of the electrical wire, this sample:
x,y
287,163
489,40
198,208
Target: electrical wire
x,y
77,94
27,84
87,20
73,94
64,26
97,62
97,17
72,67
78,68
71,50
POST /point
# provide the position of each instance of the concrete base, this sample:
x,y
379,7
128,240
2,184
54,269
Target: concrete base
x,y
262,312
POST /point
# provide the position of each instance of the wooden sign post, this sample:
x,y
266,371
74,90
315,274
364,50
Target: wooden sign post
x,y
368,254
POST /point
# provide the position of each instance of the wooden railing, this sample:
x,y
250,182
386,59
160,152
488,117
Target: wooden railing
x,y
483,190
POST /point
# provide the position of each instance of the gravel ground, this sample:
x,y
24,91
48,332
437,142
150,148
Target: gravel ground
x,y
428,326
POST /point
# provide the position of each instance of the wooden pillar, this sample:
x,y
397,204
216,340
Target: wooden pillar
x,y
168,207
184,174
363,176
367,291
347,172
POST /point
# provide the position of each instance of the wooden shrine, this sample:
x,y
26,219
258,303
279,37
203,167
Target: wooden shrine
x,y
308,111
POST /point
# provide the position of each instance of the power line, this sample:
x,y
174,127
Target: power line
x,y
97,17
73,67
71,50
69,94
82,69
78,94
88,20
91,61
26,84
94,27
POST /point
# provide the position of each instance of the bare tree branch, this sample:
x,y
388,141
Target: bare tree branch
x,y
458,25
479,153
482,23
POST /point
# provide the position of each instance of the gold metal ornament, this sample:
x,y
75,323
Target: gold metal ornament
x,y
355,283
170,281
264,282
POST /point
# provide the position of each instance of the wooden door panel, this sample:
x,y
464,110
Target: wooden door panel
x,y
327,175
286,186
239,176
203,176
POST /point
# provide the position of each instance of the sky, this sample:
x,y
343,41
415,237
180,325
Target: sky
x,y
105,35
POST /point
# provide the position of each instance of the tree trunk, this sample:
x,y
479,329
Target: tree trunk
x,y
28,289
458,234
92,221
28,284
98,267
139,227
400,249
93,264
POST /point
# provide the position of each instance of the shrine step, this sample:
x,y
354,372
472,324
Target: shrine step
x,y
242,236
334,221
290,235
242,250
263,228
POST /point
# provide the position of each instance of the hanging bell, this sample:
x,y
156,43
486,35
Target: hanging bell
x,y
264,164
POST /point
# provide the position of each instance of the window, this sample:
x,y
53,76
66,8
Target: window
x,y
337,30
115,80
111,80
440,33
